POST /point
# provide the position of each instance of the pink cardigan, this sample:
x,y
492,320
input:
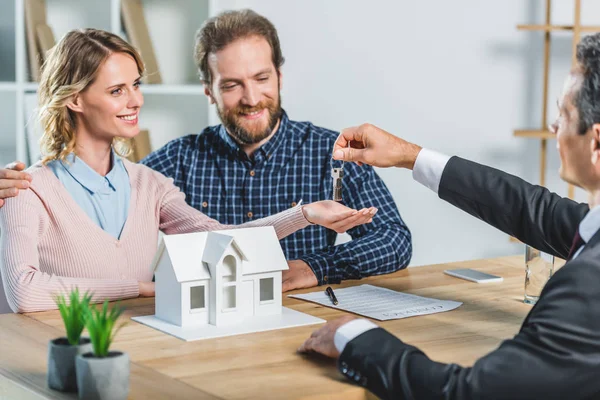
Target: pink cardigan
x,y
49,245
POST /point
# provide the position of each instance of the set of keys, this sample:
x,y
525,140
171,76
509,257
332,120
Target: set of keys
x,y
337,174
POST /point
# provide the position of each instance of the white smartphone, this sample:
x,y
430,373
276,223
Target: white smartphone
x,y
474,276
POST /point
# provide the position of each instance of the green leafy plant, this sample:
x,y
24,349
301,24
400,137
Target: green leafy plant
x,y
100,323
73,312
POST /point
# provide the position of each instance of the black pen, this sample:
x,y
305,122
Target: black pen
x,y
331,295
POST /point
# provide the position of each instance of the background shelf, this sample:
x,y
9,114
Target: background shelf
x,y
552,28
8,87
532,133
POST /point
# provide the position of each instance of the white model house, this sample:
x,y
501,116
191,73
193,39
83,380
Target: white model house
x,y
219,278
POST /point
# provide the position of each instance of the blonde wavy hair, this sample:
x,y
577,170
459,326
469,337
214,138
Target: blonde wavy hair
x,y
70,67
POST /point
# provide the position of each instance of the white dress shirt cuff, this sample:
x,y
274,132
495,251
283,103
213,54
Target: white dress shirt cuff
x,y
349,331
429,167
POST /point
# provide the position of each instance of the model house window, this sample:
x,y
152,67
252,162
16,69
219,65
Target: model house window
x,y
197,299
228,297
229,274
266,289
229,269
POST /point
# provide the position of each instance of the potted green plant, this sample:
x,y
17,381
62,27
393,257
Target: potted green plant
x,y
63,350
103,374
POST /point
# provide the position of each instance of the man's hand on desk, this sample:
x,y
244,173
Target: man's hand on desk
x,y
146,289
299,276
322,340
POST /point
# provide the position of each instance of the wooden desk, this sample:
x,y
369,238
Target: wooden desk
x,y
266,365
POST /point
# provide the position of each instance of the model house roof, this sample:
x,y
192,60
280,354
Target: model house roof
x,y
258,247
217,244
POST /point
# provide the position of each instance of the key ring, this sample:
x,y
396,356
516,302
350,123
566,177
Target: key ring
x,y
337,174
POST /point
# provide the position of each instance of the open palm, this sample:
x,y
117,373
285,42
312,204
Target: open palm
x,y
336,216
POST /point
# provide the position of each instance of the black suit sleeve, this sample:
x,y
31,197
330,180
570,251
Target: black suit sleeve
x,y
556,354
528,212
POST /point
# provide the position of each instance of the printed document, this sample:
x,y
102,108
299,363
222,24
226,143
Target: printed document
x,y
380,303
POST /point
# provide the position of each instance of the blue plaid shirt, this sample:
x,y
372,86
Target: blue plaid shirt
x,y
220,180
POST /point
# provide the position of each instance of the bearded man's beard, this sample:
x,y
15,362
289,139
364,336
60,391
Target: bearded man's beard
x,y
234,122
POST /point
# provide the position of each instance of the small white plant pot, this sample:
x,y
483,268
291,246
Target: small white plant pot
x,y
103,378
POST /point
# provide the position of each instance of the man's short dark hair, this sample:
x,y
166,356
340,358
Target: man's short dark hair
x,y
227,27
587,99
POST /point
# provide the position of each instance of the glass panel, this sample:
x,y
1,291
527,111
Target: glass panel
x,y
197,297
229,297
266,289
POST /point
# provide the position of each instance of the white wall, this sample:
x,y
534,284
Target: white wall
x,y
455,76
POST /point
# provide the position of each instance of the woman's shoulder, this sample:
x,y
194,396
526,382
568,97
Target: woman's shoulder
x,y
37,169
42,177
145,177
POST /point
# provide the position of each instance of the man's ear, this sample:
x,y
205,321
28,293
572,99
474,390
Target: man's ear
x,y
75,104
595,143
208,94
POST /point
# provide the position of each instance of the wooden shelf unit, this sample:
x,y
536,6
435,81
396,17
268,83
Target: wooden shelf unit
x,y
542,134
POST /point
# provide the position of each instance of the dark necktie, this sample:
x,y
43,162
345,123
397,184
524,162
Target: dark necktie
x,y
577,243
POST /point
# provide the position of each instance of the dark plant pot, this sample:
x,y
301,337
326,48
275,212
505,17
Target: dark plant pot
x,y
61,363
103,378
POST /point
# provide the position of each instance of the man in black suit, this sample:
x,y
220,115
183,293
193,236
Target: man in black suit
x,y
556,354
